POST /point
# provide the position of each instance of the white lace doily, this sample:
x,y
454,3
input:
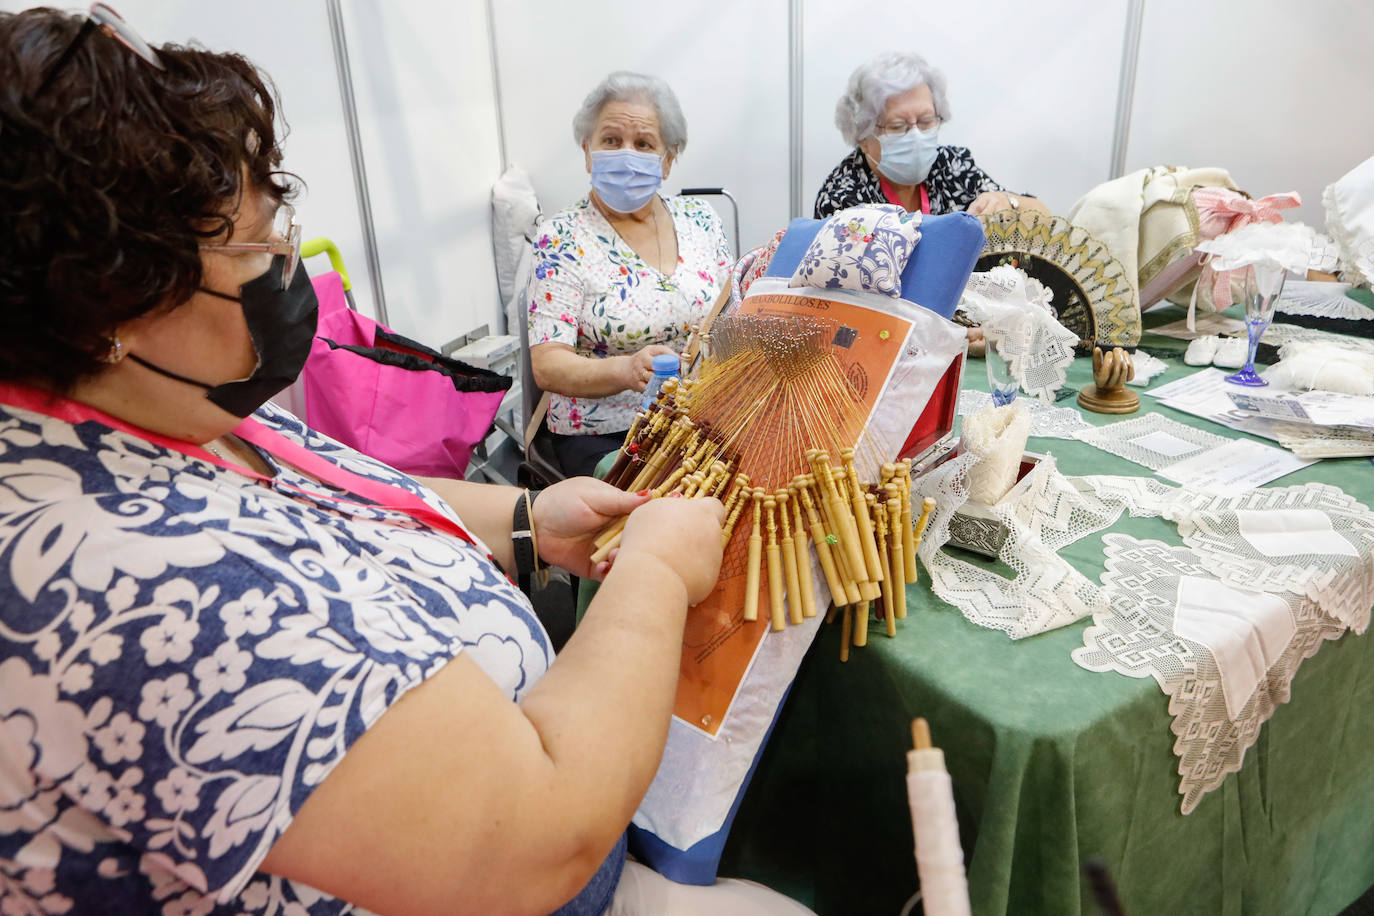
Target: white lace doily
x,y
1047,421
1136,636
1312,540
1017,318
1153,440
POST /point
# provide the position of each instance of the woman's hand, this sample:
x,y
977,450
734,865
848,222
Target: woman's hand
x,y
993,201
639,367
683,535
569,514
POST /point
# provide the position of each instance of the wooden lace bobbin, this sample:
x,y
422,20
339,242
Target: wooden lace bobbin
x,y
739,497
789,561
927,506
862,517
629,447
838,517
896,549
833,531
1108,393
878,512
724,480
751,586
653,463
802,544
838,513
838,592
903,481
775,593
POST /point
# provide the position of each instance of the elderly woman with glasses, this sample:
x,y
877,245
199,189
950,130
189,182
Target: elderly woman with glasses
x,y
622,275
891,113
244,668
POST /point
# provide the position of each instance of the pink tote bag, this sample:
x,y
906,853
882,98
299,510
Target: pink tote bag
x,y
392,398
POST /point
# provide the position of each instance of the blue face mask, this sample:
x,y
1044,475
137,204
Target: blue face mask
x,y
625,179
907,157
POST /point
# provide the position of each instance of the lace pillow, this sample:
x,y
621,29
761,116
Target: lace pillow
x,y
863,248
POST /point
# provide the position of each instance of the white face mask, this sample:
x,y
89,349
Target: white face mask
x,y
907,157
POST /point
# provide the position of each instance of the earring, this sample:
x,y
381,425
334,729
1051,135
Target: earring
x,y
115,353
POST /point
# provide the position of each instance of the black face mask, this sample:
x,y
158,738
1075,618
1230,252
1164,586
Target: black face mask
x,y
282,325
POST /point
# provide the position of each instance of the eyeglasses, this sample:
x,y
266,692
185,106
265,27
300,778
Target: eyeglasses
x,y
102,17
285,240
896,128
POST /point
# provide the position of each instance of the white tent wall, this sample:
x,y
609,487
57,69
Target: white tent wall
x,y
1274,91
423,83
726,61
1032,87
1269,90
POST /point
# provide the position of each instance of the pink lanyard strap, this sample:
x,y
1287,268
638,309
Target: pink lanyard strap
x,y
384,495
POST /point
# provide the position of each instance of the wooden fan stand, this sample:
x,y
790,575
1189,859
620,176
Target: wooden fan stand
x,y
1108,393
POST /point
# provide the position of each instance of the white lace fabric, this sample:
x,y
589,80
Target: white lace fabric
x,y
1046,420
1135,636
1231,544
1153,441
1334,568
1016,316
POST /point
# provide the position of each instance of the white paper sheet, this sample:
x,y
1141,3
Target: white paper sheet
x,y
1237,466
1207,394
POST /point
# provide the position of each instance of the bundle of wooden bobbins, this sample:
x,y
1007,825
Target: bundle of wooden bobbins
x,y
739,432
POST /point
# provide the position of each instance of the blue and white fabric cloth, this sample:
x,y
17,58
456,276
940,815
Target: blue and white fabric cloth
x,y
186,654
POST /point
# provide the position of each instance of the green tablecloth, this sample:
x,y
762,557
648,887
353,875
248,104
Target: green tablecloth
x,y
1054,765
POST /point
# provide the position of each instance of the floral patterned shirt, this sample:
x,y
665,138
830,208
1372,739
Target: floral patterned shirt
x,y
953,183
590,290
186,654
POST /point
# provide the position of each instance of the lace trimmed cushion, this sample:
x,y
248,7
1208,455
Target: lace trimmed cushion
x,y
863,249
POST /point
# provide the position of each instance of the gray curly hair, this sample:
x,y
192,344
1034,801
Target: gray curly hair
x,y
873,83
627,86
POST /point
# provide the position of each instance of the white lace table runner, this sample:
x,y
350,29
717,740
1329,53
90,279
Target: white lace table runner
x,y
1047,421
1314,540
1153,440
1042,514
1224,667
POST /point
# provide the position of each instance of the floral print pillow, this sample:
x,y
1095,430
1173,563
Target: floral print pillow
x,y
863,248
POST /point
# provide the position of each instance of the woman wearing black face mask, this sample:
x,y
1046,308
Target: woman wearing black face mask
x,y
232,651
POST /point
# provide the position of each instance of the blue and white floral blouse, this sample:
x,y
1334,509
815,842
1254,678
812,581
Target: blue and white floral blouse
x,y
186,654
591,291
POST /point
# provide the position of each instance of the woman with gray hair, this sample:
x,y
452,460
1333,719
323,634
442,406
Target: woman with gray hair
x,y
891,112
622,275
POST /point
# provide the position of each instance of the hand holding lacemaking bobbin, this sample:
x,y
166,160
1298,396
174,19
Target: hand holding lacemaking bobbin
x,y
757,428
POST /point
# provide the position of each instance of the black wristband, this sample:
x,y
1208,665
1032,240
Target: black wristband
x,y
522,540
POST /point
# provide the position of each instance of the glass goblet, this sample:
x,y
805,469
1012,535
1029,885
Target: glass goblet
x,y
1263,285
1001,382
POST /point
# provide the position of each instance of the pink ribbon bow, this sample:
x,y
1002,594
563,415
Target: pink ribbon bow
x,y
1221,210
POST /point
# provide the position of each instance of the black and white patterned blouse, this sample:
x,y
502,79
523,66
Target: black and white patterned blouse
x,y
953,183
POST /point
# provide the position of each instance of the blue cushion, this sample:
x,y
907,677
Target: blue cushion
x,y
934,276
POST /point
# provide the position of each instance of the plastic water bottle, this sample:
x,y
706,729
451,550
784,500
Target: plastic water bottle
x,y
666,366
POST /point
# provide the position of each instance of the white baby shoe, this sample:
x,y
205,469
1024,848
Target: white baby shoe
x,y
1201,350
1231,353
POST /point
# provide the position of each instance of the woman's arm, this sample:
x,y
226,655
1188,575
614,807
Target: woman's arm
x,y
460,801
567,516
559,369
